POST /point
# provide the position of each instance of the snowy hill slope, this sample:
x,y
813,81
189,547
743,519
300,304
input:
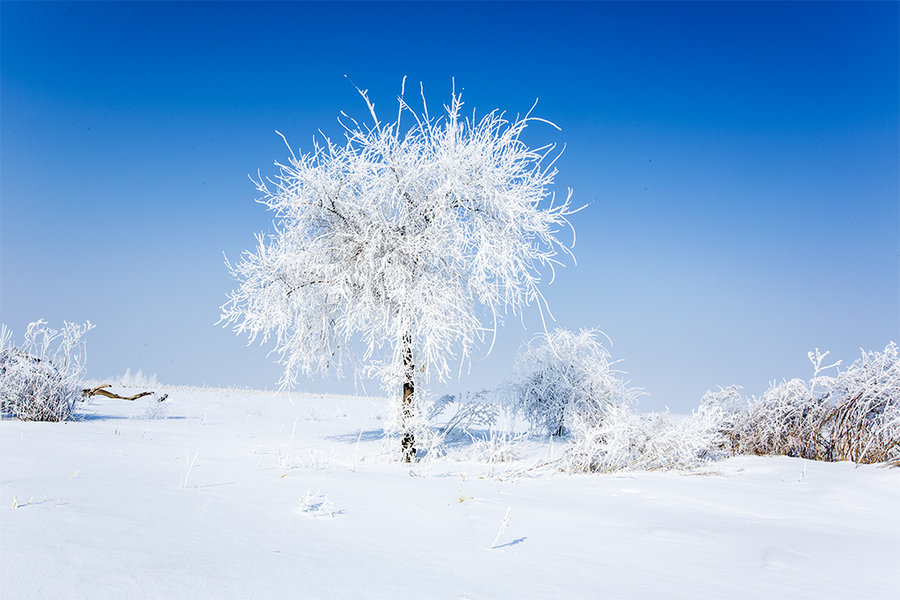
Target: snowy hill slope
x,y
243,494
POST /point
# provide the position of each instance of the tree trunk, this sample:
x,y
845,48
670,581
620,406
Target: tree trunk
x,y
408,441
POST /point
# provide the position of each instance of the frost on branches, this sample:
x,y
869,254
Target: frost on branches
x,y
415,237
41,381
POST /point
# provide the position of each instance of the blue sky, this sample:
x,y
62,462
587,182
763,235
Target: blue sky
x,y
740,161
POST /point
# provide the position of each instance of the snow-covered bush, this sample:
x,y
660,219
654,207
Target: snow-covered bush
x,y
728,409
41,380
564,379
473,426
786,420
864,426
498,446
447,421
853,415
464,412
627,439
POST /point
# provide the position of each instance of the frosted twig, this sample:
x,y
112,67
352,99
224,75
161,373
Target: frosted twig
x,y
189,469
503,526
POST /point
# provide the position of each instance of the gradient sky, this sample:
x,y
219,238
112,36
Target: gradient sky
x,y
740,161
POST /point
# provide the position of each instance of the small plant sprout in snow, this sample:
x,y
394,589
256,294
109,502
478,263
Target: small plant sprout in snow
x,y
411,238
503,525
190,467
317,505
565,379
156,407
41,381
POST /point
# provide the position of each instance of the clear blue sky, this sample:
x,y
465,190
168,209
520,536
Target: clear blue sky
x,y
740,162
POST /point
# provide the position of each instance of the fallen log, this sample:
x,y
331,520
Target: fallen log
x,y
101,390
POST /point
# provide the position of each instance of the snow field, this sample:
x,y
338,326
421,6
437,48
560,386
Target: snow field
x,y
245,494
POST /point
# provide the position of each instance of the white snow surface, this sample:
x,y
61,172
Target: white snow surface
x,y
244,494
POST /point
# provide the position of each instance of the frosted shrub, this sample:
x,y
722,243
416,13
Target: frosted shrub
x,y
854,415
564,379
786,420
41,381
726,400
864,423
608,444
451,419
156,407
626,439
465,412
788,417
498,446
728,409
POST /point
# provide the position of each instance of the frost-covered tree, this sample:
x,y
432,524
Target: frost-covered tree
x,y
414,237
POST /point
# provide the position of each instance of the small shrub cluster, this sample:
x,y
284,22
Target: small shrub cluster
x,y
450,420
853,415
41,380
460,414
565,386
626,439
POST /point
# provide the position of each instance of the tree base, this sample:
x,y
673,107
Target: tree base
x,y
407,445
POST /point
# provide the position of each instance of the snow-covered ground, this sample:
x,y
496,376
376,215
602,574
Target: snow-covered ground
x,y
244,494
